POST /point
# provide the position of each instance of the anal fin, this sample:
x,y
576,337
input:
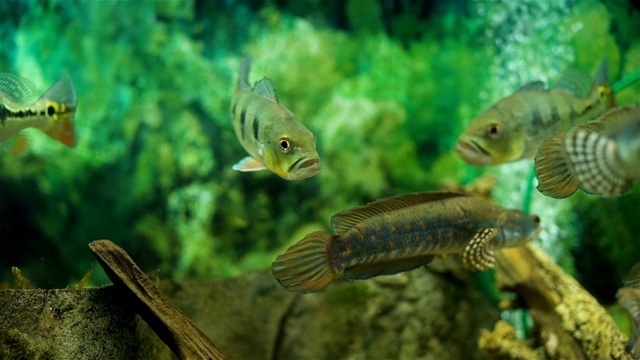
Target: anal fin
x,y
369,270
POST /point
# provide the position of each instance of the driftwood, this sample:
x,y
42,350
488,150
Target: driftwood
x,y
571,322
169,323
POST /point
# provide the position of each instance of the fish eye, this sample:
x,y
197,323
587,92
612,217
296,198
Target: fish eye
x,y
535,219
494,130
52,108
285,144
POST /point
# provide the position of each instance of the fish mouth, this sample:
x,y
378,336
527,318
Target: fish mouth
x,y
304,167
472,153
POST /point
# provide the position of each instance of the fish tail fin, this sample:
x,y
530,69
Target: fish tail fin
x,y
554,173
243,77
305,267
594,159
60,102
602,86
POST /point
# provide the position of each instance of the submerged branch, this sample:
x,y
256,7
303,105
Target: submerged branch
x,y
571,322
171,325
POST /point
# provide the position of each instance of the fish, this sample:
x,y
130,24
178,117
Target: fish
x,y
52,113
272,135
629,299
401,233
600,157
513,128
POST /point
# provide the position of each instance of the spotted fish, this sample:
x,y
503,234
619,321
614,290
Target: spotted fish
x,y
601,157
401,233
275,139
52,112
629,299
513,128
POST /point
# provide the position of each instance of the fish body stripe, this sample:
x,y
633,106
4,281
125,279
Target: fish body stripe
x,y
256,127
7,114
243,116
4,114
536,117
555,116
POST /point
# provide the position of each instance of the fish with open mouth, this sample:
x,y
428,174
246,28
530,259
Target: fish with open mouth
x,y
272,135
513,128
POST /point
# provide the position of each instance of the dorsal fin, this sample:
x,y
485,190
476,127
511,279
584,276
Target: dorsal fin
x,y
265,88
575,82
243,76
632,279
17,89
347,219
534,85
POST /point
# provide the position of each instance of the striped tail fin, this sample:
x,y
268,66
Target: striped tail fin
x,y
304,267
582,158
554,173
594,159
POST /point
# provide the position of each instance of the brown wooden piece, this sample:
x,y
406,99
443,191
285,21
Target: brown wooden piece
x,y
169,323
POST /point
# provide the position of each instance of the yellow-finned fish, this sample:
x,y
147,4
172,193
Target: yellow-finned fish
x,y
601,157
629,299
513,128
52,112
271,133
402,233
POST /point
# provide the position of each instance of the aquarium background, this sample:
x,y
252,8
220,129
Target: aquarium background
x,y
385,86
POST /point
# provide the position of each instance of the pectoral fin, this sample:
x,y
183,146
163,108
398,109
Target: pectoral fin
x,y
478,255
249,164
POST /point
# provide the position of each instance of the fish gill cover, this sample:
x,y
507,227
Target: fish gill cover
x,y
386,88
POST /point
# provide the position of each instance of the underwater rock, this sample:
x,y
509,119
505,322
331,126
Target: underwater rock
x,y
418,314
71,324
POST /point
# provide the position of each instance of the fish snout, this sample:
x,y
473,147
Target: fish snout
x,y
305,167
471,153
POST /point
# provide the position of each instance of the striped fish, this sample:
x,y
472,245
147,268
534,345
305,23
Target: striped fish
x,y
601,157
402,233
629,299
513,128
271,133
52,112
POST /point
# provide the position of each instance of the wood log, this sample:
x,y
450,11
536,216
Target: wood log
x,y
571,322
